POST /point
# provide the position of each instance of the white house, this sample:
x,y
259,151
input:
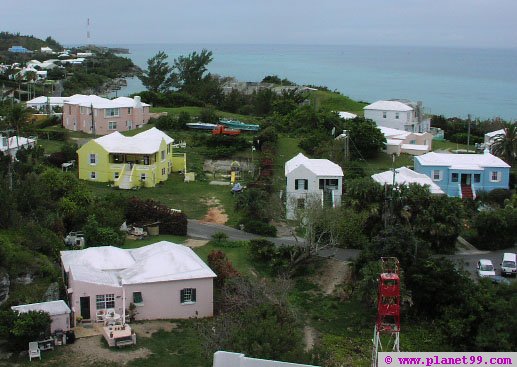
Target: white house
x,y
11,145
163,280
400,141
311,179
399,114
406,176
58,310
229,359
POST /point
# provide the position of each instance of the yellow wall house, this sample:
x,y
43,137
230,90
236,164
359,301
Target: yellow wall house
x,y
141,160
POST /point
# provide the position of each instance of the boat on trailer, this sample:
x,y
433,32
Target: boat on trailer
x,y
238,125
201,126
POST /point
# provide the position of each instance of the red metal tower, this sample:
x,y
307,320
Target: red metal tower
x,y
388,307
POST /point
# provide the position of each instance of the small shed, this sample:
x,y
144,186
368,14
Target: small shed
x,y
58,310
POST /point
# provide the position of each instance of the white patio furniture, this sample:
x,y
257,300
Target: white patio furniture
x,y
34,351
99,316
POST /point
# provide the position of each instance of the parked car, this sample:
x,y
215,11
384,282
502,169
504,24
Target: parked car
x,y
509,264
485,268
497,279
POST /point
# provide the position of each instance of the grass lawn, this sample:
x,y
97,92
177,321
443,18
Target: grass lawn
x,y
447,145
384,162
153,239
337,102
190,197
50,146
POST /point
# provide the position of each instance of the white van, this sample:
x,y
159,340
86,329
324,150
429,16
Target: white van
x,y
509,264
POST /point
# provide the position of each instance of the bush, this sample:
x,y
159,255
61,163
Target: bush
x,y
262,249
496,228
149,211
258,227
24,327
222,267
462,138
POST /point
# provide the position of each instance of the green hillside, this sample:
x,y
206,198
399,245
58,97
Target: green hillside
x,y
30,42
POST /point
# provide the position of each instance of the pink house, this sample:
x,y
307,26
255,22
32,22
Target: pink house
x,y
119,114
163,280
58,310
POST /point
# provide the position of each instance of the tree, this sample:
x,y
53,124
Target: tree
x,y
158,76
366,140
190,70
505,145
17,117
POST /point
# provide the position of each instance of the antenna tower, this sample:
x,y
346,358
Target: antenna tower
x,y
387,326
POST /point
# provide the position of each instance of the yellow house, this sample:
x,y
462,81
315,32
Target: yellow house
x,y
141,160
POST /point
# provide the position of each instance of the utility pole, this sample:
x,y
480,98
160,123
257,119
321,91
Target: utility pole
x,y
346,147
468,133
93,121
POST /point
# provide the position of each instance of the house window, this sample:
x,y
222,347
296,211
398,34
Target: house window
x,y
83,110
188,295
454,177
300,203
129,110
105,301
93,158
163,155
331,183
477,177
437,175
116,175
143,177
137,297
112,125
129,124
384,114
301,184
163,171
412,142
397,115
93,175
146,160
495,176
168,148
111,112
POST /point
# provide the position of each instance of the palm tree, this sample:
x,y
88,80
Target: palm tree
x,y
17,117
505,145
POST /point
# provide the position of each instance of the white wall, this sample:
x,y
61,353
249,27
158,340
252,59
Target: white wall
x,y
390,120
228,359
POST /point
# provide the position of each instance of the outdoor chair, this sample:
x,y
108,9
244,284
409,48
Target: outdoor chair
x,y
34,351
99,316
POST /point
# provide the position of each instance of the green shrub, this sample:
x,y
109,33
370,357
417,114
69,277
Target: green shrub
x,y
149,211
258,227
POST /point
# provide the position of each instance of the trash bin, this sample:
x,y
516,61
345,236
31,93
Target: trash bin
x,y
153,230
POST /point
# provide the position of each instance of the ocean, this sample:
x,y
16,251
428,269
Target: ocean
x,y
449,81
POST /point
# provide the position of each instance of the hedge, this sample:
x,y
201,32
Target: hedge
x,y
150,211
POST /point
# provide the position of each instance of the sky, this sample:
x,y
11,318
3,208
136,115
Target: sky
x,y
446,23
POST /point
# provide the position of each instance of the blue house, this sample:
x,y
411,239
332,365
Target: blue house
x,y
18,49
463,175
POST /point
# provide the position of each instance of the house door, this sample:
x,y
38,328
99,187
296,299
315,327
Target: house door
x,y
85,308
466,179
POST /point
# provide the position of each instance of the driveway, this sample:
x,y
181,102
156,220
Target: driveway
x,y
469,261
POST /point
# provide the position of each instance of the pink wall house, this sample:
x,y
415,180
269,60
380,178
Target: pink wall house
x,y
119,114
58,310
164,281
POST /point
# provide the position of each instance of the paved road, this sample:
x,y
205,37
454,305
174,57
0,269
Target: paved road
x,y
201,230
468,259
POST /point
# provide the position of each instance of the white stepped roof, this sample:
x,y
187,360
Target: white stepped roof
x,y
346,115
146,142
16,142
389,106
405,176
99,102
461,161
495,133
52,307
320,167
45,100
158,262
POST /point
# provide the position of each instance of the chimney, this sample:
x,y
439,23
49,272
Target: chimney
x,y
138,101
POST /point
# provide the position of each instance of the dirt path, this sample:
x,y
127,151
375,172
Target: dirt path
x,y
335,273
309,337
215,212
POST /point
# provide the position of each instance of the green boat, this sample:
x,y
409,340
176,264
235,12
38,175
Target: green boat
x,y
234,124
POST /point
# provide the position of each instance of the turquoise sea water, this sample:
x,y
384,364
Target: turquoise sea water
x,y
453,82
